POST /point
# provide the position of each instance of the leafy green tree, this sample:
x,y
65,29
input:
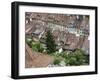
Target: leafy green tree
x,y
77,58
50,42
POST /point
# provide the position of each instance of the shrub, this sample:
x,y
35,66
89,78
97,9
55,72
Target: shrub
x,y
29,42
36,46
56,61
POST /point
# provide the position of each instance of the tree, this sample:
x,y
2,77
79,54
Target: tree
x,y
50,42
77,58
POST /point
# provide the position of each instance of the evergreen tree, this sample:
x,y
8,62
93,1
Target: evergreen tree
x,y
50,42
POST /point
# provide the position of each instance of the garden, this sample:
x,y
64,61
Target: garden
x,y
65,58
